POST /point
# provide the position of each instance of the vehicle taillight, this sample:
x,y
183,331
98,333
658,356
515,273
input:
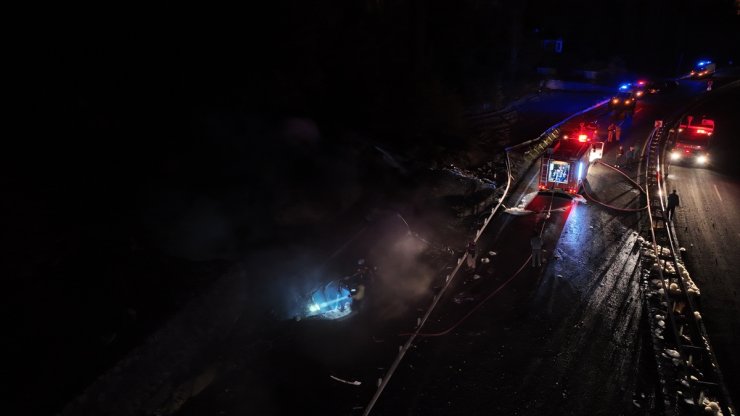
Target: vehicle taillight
x,y
582,138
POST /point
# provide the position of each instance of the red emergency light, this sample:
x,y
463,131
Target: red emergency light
x,y
582,138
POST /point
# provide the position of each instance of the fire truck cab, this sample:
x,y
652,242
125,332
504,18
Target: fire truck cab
x,y
692,141
565,164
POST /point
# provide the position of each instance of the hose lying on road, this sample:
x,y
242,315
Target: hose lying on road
x,y
493,293
637,185
467,315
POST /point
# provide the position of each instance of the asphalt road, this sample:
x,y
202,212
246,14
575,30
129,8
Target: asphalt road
x,y
708,226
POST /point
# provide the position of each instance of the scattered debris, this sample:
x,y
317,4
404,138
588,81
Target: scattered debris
x,y
672,353
352,383
518,211
579,199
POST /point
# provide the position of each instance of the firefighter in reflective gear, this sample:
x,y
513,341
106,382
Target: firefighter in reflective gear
x,y
610,132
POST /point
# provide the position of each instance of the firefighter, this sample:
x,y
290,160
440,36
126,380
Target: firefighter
x,y
472,251
617,132
620,156
673,202
610,132
536,243
631,155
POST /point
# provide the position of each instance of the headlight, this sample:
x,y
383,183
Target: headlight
x,y
701,159
675,155
615,101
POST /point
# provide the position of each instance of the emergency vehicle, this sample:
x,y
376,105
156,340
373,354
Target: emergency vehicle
x,y
565,164
703,69
586,132
692,141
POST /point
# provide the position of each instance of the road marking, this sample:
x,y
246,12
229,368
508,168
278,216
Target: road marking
x,y
717,191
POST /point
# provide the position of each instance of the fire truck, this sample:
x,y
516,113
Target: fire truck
x,y
565,164
692,140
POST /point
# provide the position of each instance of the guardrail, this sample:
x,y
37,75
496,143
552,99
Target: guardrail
x,y
690,378
448,280
538,145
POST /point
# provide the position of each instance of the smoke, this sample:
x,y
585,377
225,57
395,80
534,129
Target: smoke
x,y
403,277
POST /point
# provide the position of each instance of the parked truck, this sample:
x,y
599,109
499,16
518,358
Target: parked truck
x,y
565,164
692,141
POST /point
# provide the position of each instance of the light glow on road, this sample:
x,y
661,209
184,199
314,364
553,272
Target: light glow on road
x,y
717,192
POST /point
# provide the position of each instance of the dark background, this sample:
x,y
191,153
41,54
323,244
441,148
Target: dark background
x,y
154,147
